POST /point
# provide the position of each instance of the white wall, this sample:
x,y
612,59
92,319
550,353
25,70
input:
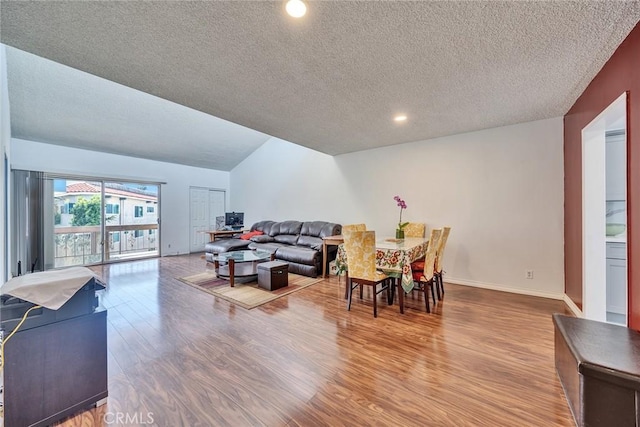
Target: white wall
x,y
5,137
174,196
501,191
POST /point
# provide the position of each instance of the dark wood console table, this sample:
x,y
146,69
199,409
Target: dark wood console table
x,y
599,367
55,370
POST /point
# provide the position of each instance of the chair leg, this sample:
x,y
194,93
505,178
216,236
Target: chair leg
x,y
390,292
436,284
361,291
375,302
350,290
426,296
441,283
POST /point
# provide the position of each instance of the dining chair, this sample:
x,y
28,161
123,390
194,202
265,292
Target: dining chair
x,y
438,262
360,247
354,227
345,229
414,229
425,279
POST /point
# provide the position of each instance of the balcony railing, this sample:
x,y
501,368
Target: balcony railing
x,y
84,245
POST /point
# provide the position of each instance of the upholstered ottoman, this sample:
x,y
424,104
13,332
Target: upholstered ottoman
x,y
273,275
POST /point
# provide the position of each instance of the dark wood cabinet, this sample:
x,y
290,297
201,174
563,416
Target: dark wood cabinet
x,y
599,367
55,370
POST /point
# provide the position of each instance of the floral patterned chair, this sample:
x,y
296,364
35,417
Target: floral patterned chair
x,y
354,227
424,279
360,247
414,229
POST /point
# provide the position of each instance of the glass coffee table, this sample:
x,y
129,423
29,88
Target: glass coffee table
x,y
240,264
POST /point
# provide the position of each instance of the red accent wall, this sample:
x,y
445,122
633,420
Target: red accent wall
x,y
621,73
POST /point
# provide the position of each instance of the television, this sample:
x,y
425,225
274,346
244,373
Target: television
x,y
234,220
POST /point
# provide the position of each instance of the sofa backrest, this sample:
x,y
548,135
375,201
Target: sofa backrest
x,y
312,232
320,229
286,232
264,226
309,233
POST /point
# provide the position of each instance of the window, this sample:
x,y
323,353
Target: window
x,y
113,209
67,208
138,233
138,211
150,209
115,237
151,232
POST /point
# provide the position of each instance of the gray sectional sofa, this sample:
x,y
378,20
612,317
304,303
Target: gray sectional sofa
x,y
298,243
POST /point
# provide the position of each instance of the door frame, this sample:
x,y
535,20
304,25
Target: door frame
x,y
594,210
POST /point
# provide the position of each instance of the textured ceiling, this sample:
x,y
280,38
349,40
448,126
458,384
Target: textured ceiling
x,y
332,80
53,103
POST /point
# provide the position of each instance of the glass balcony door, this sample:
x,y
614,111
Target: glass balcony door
x,y
76,223
131,220
93,222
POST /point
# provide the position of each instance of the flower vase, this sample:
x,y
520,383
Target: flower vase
x,y
399,234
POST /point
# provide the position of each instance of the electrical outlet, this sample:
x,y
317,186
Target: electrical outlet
x,y
529,274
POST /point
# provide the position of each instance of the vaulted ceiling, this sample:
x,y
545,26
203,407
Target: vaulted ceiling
x,y
238,72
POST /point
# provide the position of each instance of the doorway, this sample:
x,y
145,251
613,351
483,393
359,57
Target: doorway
x,y
604,218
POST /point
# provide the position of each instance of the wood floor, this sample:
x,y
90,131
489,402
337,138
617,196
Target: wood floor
x,y
181,357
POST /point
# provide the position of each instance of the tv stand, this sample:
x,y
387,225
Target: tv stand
x,y
223,234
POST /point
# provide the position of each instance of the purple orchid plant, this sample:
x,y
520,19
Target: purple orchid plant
x,y
403,205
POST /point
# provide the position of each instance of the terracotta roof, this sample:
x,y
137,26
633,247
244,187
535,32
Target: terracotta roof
x,y
84,187
116,192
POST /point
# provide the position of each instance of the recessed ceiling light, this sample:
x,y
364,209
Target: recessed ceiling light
x,y
296,8
400,118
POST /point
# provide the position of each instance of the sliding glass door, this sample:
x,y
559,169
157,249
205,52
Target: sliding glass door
x,y
77,222
96,221
131,220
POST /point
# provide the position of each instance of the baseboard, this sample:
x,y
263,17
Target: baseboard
x,y
572,306
502,288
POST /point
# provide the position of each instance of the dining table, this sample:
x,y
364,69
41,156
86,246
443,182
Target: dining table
x,y
393,257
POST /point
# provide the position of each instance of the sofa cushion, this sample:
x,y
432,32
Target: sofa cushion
x,y
262,238
271,247
287,239
310,242
298,254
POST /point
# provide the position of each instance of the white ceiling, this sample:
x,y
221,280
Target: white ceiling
x,y
330,81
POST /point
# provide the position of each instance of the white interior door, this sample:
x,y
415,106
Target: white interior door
x,y
198,218
204,205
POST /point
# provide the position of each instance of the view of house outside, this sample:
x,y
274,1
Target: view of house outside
x,y
130,215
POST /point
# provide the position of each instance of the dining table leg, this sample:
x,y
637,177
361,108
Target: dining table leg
x,y
400,296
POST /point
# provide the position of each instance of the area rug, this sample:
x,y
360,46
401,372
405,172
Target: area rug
x,y
246,295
